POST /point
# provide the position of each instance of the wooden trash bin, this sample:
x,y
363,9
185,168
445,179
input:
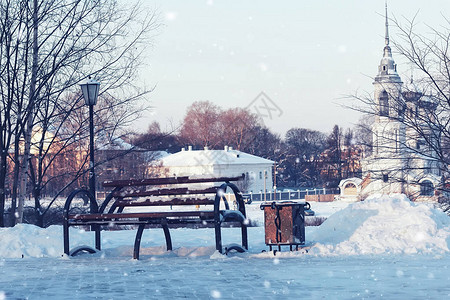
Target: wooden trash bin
x,y
284,223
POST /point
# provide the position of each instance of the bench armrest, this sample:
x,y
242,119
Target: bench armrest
x,y
220,194
92,203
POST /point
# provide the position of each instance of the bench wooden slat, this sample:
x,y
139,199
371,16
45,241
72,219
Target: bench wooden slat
x,y
142,215
172,223
168,180
164,192
171,201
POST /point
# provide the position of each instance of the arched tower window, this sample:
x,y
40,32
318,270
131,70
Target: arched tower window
x,y
401,110
426,188
350,189
384,104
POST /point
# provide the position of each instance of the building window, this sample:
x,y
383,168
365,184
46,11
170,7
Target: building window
x,y
376,144
384,104
396,141
260,175
430,142
401,111
426,188
385,177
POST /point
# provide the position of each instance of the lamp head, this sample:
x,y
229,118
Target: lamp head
x,y
90,90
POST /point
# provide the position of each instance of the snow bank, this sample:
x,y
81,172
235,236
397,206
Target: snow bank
x,y
383,224
379,225
24,240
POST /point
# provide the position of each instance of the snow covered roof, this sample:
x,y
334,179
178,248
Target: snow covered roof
x,y
228,156
155,156
114,144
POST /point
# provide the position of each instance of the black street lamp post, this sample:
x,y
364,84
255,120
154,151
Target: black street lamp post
x,y
90,93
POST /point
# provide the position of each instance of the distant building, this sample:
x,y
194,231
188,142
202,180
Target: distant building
x,y
120,160
399,163
222,163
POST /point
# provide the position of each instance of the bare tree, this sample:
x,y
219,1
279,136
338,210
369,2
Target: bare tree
x,y
156,140
47,48
300,166
266,144
238,128
201,124
363,133
207,124
333,159
14,33
429,120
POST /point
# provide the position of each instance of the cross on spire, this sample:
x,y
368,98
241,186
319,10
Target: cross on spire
x,y
386,38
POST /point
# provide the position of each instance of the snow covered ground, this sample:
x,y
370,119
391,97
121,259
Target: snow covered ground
x,y
385,247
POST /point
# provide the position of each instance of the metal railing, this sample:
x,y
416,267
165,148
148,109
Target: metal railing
x,y
270,195
288,195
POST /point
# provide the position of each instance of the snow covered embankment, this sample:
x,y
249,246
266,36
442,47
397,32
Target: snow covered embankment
x,y
379,225
24,240
383,225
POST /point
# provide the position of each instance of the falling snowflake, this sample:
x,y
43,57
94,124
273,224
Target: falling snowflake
x,y
263,67
171,15
342,49
216,294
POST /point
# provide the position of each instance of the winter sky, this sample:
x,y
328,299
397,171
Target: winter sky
x,y
305,55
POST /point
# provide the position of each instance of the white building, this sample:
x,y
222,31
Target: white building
x,y
398,164
222,163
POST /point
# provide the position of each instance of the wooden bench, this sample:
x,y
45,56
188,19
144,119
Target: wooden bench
x,y
174,202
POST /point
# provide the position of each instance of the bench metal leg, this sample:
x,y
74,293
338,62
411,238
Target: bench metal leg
x,y
66,238
218,236
244,236
165,227
97,230
140,231
137,241
97,237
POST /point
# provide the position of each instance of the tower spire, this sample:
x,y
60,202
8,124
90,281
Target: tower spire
x,y
386,37
387,65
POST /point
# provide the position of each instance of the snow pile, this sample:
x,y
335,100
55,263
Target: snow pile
x,y
24,240
383,224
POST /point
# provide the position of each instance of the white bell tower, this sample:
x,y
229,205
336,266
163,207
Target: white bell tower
x,y
385,166
403,159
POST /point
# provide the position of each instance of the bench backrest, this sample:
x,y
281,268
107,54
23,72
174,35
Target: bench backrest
x,y
168,180
128,193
